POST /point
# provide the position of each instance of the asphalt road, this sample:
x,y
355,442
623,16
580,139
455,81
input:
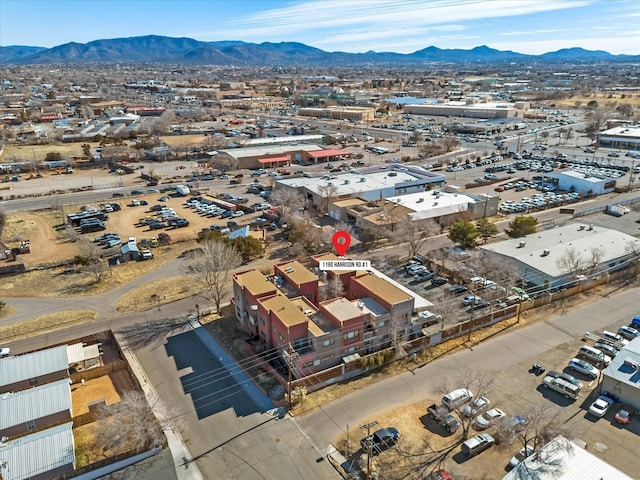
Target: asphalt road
x,y
495,355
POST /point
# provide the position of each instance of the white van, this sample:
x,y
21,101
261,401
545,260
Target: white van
x,y
457,398
594,354
568,389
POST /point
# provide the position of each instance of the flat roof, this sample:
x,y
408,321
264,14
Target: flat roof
x,y
79,352
296,272
255,282
612,243
433,204
32,365
621,367
352,183
34,403
36,454
288,313
342,309
561,459
329,153
265,150
382,288
622,131
579,175
349,202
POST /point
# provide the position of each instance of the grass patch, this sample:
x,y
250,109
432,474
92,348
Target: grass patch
x,y
156,293
46,323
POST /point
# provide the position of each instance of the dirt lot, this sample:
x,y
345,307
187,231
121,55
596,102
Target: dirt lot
x,y
93,390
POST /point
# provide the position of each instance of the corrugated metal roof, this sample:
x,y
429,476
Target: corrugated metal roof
x,y
37,402
31,365
38,453
561,459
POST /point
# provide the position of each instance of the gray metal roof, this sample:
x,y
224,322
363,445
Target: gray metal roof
x,y
32,365
613,244
33,403
625,366
561,459
38,453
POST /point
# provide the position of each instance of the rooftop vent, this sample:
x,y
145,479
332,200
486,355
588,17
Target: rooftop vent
x,y
629,362
581,227
289,269
545,253
522,244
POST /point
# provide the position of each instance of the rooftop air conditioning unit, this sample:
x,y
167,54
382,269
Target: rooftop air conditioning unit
x,y
546,253
581,227
289,270
522,244
590,226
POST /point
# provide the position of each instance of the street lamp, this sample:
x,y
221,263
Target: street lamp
x,y
198,312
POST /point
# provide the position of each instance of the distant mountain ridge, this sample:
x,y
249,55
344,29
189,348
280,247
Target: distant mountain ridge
x,y
161,49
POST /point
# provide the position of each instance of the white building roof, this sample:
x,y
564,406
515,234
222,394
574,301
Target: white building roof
x,y
612,243
268,150
32,365
433,204
78,352
561,459
284,139
579,175
623,131
625,367
38,453
33,403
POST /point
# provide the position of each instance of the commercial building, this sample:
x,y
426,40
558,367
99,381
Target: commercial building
x,y
622,375
473,108
572,181
621,137
562,459
369,183
365,114
537,255
271,156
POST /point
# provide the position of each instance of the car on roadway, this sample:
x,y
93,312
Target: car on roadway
x,y
613,154
477,406
624,415
584,368
380,440
489,418
600,406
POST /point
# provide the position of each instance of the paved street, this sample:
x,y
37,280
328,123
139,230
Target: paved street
x,y
497,354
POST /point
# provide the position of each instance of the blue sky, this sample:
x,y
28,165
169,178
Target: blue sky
x,y
404,26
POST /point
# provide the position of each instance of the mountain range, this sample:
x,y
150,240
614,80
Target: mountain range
x,y
161,49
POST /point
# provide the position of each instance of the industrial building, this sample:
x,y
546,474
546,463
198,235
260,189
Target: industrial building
x,y
472,107
622,375
365,114
587,184
271,156
620,137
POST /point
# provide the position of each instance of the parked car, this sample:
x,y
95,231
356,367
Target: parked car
x,y
522,454
628,333
423,276
456,289
489,418
237,214
380,440
4,352
600,406
479,405
156,225
469,299
437,281
607,349
477,444
565,376
624,415
583,367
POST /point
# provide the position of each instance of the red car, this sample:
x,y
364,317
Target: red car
x,y
624,415
439,475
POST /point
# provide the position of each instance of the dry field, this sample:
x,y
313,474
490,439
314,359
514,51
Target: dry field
x,y
607,101
43,324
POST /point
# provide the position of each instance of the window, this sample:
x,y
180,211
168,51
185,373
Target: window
x,y
351,350
33,381
31,425
381,323
308,364
351,335
327,343
327,357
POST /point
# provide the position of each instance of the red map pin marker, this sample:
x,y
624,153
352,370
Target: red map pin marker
x,y
341,241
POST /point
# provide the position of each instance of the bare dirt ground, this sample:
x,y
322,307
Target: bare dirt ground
x,y
609,100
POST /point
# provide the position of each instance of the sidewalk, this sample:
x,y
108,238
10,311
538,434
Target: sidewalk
x,y
186,469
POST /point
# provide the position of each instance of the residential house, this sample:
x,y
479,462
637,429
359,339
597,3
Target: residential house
x,y
296,280
248,287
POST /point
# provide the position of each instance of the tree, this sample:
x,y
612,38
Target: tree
x,y
463,233
128,425
287,199
595,257
248,247
3,305
53,156
415,232
544,135
522,225
595,120
486,229
570,261
211,267
89,260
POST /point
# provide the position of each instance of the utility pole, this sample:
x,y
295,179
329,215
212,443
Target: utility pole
x,y
289,379
367,427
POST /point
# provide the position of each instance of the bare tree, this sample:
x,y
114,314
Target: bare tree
x,y
415,233
595,257
330,288
90,260
288,199
129,424
211,267
570,261
327,192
